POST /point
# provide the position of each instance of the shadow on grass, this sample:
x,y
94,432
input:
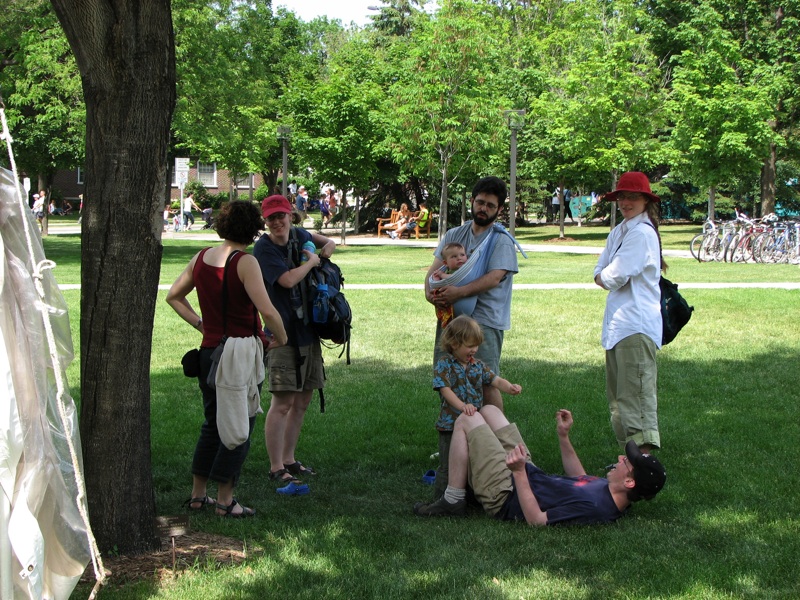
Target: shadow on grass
x,y
717,529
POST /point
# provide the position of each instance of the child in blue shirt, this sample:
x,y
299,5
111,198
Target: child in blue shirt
x,y
460,378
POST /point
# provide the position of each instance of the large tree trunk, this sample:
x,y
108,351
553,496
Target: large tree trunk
x,y
768,181
126,57
712,201
443,203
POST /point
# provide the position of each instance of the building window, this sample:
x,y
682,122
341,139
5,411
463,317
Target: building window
x,y
245,181
80,175
207,174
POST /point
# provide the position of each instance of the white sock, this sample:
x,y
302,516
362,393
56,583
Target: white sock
x,y
453,495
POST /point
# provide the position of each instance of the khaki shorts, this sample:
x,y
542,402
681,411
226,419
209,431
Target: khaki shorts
x,y
489,476
282,368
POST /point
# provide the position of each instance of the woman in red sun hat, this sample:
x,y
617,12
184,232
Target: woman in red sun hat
x,y
630,268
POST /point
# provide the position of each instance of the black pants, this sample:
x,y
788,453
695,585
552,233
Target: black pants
x,y
211,458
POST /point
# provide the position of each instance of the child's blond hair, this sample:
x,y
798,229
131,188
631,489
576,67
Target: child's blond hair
x,y
461,331
451,246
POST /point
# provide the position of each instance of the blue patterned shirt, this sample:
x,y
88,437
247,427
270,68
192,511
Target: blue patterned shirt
x,y
466,383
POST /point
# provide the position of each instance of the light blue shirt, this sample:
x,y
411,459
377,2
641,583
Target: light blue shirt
x,y
630,269
493,307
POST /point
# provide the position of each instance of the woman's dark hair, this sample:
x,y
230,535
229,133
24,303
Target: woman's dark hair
x,y
239,222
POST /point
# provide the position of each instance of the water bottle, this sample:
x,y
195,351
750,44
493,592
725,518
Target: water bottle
x,y
307,246
320,310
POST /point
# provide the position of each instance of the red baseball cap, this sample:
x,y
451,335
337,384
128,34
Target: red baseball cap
x,y
632,181
275,204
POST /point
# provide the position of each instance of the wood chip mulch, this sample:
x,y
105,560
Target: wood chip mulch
x,y
195,548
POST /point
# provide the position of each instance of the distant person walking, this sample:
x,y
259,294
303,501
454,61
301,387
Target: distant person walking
x,y
188,217
301,203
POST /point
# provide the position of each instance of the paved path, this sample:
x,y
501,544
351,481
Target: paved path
x,y
373,240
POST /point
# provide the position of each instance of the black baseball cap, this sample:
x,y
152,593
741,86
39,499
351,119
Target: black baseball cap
x,y
648,472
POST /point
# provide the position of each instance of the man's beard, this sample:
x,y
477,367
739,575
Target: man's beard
x,y
484,221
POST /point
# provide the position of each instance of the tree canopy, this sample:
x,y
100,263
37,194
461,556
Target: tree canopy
x,y
702,91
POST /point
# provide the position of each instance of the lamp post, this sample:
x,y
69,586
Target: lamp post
x,y
516,121
284,131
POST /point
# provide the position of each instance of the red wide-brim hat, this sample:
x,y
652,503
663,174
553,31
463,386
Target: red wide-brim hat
x,y
632,181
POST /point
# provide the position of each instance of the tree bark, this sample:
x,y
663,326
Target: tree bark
x,y
126,57
443,203
768,181
712,200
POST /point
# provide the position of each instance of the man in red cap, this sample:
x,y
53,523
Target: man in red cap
x,y
488,452
630,268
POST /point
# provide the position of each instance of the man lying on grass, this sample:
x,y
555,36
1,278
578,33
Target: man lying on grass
x,y
488,451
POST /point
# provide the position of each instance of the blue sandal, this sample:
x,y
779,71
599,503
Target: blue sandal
x,y
294,489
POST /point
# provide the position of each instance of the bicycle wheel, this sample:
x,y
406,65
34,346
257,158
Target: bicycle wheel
x,y
781,254
744,249
714,248
696,247
764,248
730,248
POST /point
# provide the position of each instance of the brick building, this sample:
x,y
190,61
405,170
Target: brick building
x,y
70,184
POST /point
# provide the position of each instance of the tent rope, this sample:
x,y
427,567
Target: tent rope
x,y
45,309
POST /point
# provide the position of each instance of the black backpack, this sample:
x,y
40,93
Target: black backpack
x,y
325,308
675,311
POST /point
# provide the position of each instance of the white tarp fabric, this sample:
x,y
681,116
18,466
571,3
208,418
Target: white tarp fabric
x,y
45,545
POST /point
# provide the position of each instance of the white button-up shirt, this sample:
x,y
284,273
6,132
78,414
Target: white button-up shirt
x,y
630,268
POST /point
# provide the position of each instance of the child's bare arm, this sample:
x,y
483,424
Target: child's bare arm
x,y
455,402
506,386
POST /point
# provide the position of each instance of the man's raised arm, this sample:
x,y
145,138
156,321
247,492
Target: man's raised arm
x,y
570,460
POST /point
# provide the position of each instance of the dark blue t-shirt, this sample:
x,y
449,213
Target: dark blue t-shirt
x,y
583,500
274,261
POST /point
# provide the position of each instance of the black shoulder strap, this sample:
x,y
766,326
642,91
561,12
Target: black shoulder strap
x,y
294,248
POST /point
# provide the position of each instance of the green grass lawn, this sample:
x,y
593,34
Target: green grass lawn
x,y
725,526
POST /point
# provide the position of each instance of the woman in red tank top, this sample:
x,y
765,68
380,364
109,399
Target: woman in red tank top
x,y
238,224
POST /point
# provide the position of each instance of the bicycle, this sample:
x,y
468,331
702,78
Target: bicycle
x,y
742,247
707,245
